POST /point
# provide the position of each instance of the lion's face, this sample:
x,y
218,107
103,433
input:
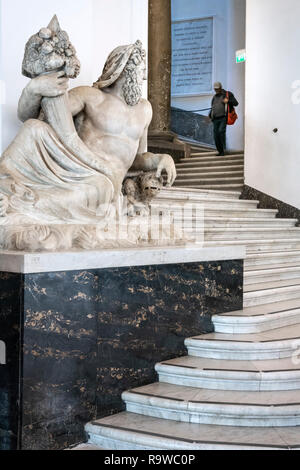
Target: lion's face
x,y
150,186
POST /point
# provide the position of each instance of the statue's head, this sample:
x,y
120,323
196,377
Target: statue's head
x,y
130,187
129,64
50,50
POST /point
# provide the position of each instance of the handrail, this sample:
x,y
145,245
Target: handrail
x,y
191,110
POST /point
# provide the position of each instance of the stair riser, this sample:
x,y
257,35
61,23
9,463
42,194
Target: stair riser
x,y
241,214
217,187
183,195
228,224
115,444
208,170
231,325
213,159
276,295
208,182
256,354
156,444
240,383
256,262
198,176
258,247
209,164
249,280
206,205
252,235
217,415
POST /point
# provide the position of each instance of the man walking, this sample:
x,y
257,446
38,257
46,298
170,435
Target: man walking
x,y
222,104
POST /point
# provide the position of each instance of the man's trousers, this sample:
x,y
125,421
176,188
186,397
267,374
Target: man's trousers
x,y
220,125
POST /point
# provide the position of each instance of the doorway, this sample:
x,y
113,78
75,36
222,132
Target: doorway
x,y
205,37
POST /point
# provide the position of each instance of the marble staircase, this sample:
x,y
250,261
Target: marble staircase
x,y
239,387
207,170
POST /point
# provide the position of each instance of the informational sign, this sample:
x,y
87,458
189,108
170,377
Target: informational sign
x,y
241,56
192,57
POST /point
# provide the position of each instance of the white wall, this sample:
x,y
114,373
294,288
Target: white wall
x,y
229,37
273,160
95,28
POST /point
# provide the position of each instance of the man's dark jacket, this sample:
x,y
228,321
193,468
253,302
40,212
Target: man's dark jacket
x,y
231,104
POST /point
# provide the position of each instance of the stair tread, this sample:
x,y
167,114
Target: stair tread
x,y
205,364
201,175
272,285
261,310
280,334
181,393
200,191
173,435
256,229
271,268
215,160
278,254
212,169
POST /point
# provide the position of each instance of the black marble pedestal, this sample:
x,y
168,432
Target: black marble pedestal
x,y
76,340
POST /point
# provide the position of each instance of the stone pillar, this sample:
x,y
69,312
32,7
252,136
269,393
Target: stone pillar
x,y
159,85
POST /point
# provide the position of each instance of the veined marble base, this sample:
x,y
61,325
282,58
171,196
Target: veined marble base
x,y
82,327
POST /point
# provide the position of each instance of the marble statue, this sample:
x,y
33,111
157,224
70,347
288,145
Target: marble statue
x,y
62,176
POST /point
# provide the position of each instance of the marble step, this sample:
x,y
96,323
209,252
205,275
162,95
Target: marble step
x,y
200,175
276,273
87,446
212,374
242,214
214,169
215,203
269,292
262,260
236,222
220,187
250,233
214,158
275,344
218,407
259,319
211,163
200,153
217,180
184,194
129,431
257,246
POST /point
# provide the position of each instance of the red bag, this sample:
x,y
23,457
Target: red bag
x,y
231,116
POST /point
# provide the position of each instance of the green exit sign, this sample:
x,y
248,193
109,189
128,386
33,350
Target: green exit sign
x,y
241,56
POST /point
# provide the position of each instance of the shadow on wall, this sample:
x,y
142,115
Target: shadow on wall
x,y
192,125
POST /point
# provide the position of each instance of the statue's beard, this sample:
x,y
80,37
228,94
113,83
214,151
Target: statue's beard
x,y
132,89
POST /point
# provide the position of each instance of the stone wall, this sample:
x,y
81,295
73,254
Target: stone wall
x,y
285,211
76,340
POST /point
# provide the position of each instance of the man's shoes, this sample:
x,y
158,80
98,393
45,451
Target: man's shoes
x,y
220,154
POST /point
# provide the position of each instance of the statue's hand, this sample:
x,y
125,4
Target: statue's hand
x,y
4,203
167,164
50,86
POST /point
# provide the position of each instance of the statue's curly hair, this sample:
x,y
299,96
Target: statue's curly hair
x,y
132,91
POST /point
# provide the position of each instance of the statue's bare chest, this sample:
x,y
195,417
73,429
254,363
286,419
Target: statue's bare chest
x,y
113,117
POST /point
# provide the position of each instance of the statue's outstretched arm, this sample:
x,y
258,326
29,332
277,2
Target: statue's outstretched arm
x,y
51,85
